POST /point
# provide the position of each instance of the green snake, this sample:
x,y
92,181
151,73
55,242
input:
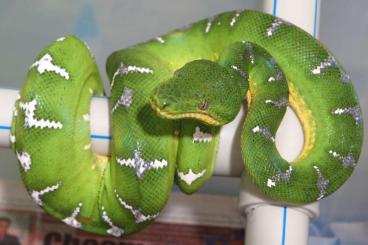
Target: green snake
x,y
169,97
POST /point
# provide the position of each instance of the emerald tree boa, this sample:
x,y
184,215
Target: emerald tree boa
x,y
169,97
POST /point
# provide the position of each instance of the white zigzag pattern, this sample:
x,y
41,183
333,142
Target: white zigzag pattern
x,y
140,165
123,69
30,119
190,177
129,162
329,62
137,213
114,230
36,195
201,137
25,160
72,221
45,64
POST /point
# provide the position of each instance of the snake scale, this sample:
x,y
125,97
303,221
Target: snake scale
x,y
201,74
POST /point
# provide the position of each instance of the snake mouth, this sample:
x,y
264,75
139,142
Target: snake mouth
x,y
167,114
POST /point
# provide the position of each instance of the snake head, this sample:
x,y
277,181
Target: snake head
x,y
201,90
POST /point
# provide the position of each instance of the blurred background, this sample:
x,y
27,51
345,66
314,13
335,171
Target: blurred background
x,y
26,27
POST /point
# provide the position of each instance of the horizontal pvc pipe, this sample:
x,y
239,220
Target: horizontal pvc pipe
x,y
229,161
7,102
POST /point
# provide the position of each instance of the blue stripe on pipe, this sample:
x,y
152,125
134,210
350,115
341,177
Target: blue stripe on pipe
x,y
103,137
5,127
274,7
284,226
315,18
93,136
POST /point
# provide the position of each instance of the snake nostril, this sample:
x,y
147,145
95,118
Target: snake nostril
x,y
165,103
203,105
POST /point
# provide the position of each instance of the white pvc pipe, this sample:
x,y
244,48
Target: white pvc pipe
x,y
228,163
7,101
99,118
270,222
303,13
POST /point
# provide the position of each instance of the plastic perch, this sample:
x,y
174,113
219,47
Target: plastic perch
x,y
269,222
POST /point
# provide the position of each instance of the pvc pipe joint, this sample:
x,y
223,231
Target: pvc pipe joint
x,y
271,222
267,221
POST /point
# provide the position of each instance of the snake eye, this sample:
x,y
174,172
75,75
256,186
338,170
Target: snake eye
x,y
203,105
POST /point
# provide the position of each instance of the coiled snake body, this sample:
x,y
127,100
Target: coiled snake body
x,y
200,75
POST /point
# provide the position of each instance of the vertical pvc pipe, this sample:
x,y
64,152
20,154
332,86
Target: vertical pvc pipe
x,y
100,125
269,222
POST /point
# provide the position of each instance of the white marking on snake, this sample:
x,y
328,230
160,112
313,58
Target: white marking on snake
x,y
88,47
347,161
15,112
114,77
87,147
344,77
160,40
234,19
190,177
283,101
31,121
140,165
280,176
86,117
12,139
60,39
45,64
201,137
72,221
280,76
114,230
125,69
322,183
137,213
242,73
209,24
25,160
355,112
125,99
36,195
329,62
270,183
265,131
250,51
275,26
